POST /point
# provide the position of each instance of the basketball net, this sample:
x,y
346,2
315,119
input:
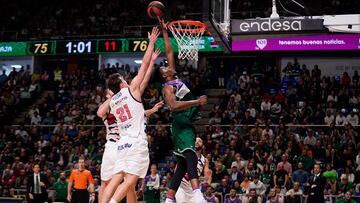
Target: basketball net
x,y
187,35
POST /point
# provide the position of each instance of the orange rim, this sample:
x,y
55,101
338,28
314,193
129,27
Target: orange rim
x,y
202,26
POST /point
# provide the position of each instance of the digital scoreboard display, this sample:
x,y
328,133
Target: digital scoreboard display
x,y
93,46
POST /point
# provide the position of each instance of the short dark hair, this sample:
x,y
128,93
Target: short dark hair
x,y
114,82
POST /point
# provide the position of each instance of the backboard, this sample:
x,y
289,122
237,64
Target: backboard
x,y
216,16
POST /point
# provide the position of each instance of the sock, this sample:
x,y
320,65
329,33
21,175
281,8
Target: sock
x,y
170,197
113,201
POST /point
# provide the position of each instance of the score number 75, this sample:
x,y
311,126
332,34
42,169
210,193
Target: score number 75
x,y
42,47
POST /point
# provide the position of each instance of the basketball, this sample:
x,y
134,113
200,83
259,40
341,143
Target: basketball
x,y
155,9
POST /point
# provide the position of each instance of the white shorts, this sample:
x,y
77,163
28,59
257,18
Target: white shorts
x,y
185,194
132,156
108,161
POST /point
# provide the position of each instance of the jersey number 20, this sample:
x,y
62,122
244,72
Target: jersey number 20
x,y
121,112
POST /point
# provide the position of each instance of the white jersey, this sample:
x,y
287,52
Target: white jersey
x,y
112,131
200,167
129,114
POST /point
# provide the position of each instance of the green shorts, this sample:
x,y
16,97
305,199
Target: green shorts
x,y
184,134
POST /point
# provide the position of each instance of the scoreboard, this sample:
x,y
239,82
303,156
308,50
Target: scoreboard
x,y
93,46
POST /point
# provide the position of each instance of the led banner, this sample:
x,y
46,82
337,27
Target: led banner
x,y
300,43
275,25
12,48
93,46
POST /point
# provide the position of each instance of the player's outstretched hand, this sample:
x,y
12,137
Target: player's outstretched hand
x,y
109,94
163,25
203,100
155,54
154,35
158,106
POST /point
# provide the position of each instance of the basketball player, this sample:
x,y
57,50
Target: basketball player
x,y
133,153
112,137
185,192
184,111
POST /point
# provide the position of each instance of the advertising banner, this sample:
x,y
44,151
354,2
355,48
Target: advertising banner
x,y
300,43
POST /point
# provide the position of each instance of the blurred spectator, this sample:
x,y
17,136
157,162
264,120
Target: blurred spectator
x,y
235,174
232,197
257,185
151,185
281,177
210,196
223,188
60,188
273,197
295,194
300,175
252,197
347,198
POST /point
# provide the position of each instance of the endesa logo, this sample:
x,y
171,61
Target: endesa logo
x,y
274,25
270,25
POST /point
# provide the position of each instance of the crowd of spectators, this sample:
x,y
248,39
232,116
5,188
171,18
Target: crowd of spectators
x,y
39,19
17,90
258,142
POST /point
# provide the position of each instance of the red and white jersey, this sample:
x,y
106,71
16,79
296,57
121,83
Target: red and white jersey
x,y
129,114
112,131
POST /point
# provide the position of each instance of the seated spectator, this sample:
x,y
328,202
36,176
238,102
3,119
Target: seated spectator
x,y
257,185
294,195
210,196
235,174
300,175
237,187
310,139
223,188
285,164
220,172
251,170
281,177
8,179
232,197
252,197
343,185
347,198
245,184
266,175
273,197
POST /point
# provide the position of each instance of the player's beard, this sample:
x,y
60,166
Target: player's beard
x,y
198,149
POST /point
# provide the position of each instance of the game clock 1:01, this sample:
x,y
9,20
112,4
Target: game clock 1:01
x,y
76,47
110,46
40,48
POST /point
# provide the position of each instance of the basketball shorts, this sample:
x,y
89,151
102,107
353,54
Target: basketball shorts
x,y
132,156
108,161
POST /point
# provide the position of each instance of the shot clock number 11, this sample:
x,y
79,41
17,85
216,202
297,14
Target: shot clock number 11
x,y
106,46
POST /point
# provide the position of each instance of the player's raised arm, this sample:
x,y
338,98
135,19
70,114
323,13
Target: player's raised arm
x,y
154,109
135,83
168,47
149,71
175,105
104,107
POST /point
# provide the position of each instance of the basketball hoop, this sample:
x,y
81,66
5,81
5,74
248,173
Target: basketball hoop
x,y
187,34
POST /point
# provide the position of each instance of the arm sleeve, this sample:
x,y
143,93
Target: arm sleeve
x,y
71,178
